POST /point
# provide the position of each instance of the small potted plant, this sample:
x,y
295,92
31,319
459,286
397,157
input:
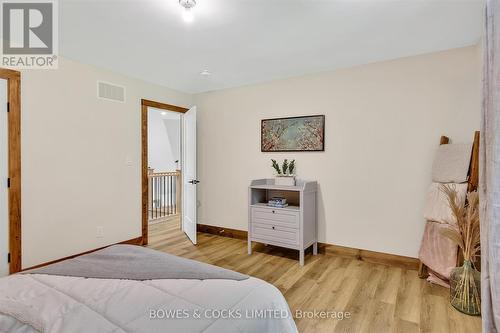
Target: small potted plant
x,y
285,175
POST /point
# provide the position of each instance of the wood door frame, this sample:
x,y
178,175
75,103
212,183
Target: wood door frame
x,y
14,156
145,103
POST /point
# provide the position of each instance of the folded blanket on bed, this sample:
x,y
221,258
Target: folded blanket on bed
x,y
39,303
131,262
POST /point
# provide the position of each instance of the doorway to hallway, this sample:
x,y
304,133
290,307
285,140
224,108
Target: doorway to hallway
x,y
168,170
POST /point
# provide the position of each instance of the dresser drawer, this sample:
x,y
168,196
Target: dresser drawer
x,y
276,217
275,233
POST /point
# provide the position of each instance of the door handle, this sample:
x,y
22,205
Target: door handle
x,y
193,181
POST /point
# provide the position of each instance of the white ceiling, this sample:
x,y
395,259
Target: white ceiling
x,y
248,41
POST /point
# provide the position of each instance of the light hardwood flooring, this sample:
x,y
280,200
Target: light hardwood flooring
x,y
380,298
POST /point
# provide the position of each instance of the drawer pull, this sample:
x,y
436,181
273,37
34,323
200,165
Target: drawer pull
x,y
273,227
274,212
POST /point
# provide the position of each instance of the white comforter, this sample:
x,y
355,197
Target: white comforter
x,y
48,303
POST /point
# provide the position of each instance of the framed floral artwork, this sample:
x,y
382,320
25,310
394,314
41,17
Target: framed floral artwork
x,y
306,133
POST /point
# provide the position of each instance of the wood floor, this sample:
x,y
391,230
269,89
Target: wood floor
x,y
380,298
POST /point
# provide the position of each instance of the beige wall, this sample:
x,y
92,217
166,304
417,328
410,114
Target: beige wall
x,y
383,123
75,149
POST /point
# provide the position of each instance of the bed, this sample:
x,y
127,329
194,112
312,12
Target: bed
x,y
113,290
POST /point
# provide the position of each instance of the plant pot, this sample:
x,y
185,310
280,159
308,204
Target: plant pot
x,y
465,289
285,180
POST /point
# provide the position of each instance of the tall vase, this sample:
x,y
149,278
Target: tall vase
x,y
465,290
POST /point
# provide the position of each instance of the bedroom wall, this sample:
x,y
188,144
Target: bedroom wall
x,y
383,123
81,162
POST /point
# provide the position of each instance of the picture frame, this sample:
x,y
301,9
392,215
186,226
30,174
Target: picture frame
x,y
293,134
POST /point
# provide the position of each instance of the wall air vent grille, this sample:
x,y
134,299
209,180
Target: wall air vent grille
x,y
110,91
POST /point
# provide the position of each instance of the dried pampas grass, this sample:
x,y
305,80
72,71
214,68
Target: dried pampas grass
x,y
465,229
465,295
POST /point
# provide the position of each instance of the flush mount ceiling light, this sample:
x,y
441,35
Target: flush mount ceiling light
x,y
188,9
205,72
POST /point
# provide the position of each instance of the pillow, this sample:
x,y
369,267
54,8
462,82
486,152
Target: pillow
x,y
451,163
436,206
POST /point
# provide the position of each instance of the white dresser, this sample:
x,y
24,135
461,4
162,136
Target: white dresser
x,y
292,227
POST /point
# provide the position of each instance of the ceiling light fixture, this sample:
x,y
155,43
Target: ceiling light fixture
x,y
188,9
205,72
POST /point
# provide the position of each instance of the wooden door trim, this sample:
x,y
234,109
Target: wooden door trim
x,y
14,155
163,106
145,103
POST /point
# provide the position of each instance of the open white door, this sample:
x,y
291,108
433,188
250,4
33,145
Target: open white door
x,y
189,179
4,174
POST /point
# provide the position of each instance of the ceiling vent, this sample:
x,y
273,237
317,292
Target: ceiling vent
x,y
110,91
